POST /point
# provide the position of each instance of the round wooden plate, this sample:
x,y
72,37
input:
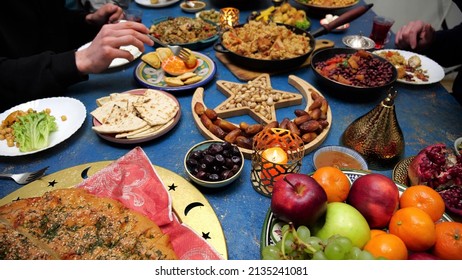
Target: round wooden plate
x,y
301,85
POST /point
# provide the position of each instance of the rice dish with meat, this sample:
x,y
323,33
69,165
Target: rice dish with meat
x,y
270,41
183,30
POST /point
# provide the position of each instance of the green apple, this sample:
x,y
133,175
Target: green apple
x,y
345,220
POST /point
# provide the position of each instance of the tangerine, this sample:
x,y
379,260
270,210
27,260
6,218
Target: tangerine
x,y
387,245
448,243
375,232
425,198
415,227
335,183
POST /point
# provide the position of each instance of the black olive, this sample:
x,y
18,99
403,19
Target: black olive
x,y
191,163
226,174
214,177
236,159
201,175
235,168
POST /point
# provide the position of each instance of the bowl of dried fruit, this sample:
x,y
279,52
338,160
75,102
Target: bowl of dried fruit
x,y
214,164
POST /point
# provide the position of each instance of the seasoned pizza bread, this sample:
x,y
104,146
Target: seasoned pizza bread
x,y
74,224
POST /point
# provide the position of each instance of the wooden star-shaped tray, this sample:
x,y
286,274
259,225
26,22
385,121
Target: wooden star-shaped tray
x,y
261,108
301,85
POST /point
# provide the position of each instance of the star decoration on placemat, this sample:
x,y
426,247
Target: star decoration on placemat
x,y
256,98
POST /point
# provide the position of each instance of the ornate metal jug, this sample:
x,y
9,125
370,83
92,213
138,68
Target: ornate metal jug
x,y
377,135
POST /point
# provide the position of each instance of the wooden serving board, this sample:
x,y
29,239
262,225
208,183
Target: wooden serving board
x,y
301,85
247,75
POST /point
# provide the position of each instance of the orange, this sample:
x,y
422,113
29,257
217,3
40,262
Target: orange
x,y
334,182
387,245
448,243
425,198
375,232
415,227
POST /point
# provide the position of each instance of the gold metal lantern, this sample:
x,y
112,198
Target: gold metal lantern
x,y
377,135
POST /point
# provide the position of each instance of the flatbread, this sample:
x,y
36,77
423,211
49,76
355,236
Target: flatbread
x,y
158,110
120,120
103,112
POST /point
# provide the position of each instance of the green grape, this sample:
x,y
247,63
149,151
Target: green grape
x,y
365,255
289,246
315,242
334,251
345,242
271,253
303,233
353,254
285,228
319,255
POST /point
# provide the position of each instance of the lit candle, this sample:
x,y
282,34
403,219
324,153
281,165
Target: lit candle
x,y
229,17
274,158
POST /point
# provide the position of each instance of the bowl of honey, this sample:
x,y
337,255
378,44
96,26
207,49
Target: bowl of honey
x,y
340,157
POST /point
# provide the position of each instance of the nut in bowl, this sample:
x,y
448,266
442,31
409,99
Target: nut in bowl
x,y
340,157
214,164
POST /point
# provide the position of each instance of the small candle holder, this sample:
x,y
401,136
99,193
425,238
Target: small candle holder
x,y
229,17
265,172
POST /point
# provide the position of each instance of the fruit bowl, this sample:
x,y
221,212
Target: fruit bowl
x,y
213,163
340,157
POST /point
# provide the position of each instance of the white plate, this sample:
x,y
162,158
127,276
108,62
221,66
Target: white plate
x,y
119,61
73,109
434,71
162,3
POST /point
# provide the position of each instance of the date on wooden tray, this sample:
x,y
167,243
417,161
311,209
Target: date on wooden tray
x,y
311,123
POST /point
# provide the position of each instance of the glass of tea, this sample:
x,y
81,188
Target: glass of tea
x,y
380,28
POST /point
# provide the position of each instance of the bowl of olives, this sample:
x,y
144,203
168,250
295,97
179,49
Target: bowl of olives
x,y
214,164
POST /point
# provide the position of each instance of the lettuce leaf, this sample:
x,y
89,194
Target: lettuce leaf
x,y
32,131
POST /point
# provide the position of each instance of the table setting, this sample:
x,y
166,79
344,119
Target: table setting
x,y
274,115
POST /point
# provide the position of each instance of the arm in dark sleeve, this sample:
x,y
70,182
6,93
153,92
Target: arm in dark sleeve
x,y
29,78
447,46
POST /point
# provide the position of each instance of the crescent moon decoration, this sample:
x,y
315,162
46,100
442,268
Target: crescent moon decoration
x,y
84,173
191,206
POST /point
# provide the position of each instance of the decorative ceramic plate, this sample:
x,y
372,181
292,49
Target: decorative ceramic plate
x,y
120,61
434,71
154,78
189,205
71,108
160,4
161,131
271,231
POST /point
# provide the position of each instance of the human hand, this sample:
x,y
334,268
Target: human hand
x,y
109,13
106,46
416,35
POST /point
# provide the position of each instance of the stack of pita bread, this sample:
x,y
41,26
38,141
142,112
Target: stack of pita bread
x,y
133,116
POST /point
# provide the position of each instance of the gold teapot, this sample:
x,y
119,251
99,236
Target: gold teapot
x,y
377,135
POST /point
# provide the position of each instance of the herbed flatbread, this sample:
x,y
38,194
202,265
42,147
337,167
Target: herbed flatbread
x,y
74,224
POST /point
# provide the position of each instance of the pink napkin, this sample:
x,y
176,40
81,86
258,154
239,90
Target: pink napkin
x,y
133,181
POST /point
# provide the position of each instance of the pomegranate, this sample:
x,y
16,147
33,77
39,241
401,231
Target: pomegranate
x,y
452,197
376,197
440,168
436,166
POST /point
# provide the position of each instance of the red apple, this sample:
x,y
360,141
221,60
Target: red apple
x,y
376,197
299,199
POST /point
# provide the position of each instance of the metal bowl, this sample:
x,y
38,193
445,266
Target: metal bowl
x,y
326,54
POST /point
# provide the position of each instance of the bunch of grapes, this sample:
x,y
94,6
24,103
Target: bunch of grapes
x,y
298,244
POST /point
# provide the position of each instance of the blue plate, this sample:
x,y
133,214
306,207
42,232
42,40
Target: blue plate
x,y
153,78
